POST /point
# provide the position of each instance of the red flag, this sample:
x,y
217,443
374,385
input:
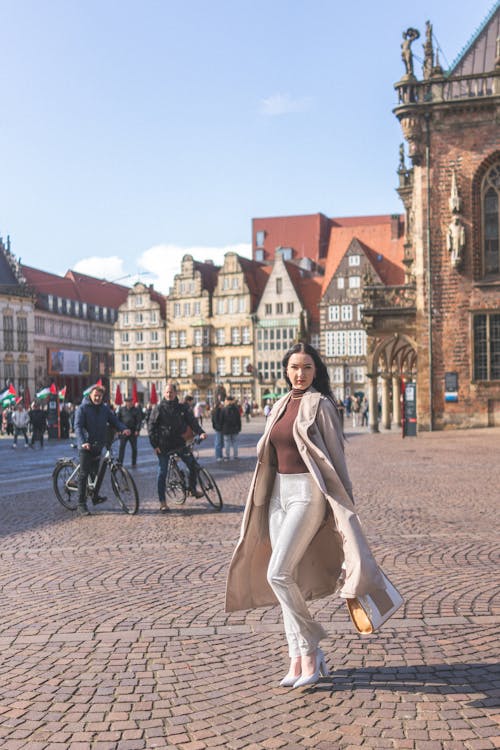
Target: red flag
x,y
53,388
134,393
27,397
118,396
153,396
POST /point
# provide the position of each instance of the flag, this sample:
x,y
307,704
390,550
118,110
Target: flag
x,y
87,390
44,393
9,393
62,394
53,388
118,396
153,397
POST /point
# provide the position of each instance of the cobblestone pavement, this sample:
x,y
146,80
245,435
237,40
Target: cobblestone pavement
x,y
113,634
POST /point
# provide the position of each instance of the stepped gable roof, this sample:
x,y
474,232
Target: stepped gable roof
x,y
376,233
7,275
208,272
256,276
306,234
479,54
76,286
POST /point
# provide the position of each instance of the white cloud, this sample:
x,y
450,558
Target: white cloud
x,y
163,262
111,268
283,104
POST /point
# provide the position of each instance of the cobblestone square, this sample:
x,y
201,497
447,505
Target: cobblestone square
x,y
114,637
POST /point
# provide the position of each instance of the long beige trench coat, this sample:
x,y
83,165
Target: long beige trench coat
x,y
318,434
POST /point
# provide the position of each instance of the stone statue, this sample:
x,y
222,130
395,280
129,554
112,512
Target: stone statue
x,y
428,51
402,165
456,241
409,36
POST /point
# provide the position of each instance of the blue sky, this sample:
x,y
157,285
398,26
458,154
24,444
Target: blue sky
x,y
133,132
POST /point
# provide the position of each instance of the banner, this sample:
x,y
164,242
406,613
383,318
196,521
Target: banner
x,y
68,362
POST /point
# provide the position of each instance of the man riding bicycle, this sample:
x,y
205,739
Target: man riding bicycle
x,y
91,421
167,424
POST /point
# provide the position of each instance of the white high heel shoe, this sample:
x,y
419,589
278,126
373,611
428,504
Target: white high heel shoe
x,y
321,670
288,681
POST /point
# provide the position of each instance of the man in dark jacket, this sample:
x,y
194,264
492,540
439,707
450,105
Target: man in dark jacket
x,y
231,427
217,425
131,416
91,420
168,421
38,419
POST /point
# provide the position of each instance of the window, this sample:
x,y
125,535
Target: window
x,y
85,310
490,193
221,306
354,282
235,336
174,368
187,309
197,337
173,339
155,361
197,365
8,333
125,319
226,284
220,364
279,285
139,318
154,337
138,300
153,316
22,334
333,313
289,307
182,339
269,309
259,256
183,368
124,337
340,282
279,308
139,362
39,324
487,346
338,374
245,335
336,344
50,302
354,260
139,337
206,337
346,312
206,365
356,343
231,305
177,310
259,238
220,336
360,312
235,366
235,283
358,374
197,309
315,341
125,363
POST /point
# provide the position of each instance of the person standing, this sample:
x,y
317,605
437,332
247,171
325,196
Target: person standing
x,y
169,420
20,420
38,419
91,426
217,425
231,427
300,536
131,416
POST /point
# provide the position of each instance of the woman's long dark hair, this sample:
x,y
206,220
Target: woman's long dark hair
x,y
321,380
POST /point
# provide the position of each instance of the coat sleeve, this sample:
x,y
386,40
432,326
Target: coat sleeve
x,y
153,433
330,427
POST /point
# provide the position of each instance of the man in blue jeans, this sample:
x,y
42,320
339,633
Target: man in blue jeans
x,y
168,422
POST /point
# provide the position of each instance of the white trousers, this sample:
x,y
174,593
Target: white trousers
x,y
295,515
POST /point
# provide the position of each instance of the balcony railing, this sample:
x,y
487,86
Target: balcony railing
x,y
379,297
443,89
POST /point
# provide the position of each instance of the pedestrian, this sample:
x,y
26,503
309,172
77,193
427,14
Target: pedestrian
x,y
299,524
189,402
247,409
20,420
364,412
167,424
131,416
217,425
356,410
91,428
267,409
38,420
198,412
231,427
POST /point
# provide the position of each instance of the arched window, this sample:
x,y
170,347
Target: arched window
x,y
491,235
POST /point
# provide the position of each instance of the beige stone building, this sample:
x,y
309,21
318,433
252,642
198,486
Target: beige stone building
x,y
189,329
139,344
239,286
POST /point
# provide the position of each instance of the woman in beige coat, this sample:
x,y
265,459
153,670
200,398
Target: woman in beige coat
x,y
300,537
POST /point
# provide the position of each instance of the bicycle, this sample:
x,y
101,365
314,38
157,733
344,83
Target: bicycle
x,y
177,482
65,481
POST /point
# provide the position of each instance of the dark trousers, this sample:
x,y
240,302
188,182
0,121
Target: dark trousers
x,y
163,459
132,438
89,465
37,434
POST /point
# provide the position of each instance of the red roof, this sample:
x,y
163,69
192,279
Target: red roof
x,y
76,286
307,235
382,235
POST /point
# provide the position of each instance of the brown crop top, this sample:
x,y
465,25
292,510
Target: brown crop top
x,y
281,437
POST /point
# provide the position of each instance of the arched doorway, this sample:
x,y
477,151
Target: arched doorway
x,y
391,364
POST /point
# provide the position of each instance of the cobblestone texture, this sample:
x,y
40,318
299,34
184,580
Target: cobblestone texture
x,y
113,634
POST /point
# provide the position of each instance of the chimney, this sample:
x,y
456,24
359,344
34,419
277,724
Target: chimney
x,y
395,227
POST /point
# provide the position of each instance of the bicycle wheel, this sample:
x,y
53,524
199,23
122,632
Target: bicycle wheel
x,y
210,489
175,488
65,481
125,490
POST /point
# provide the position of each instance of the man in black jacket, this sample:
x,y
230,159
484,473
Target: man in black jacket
x,y
168,421
38,419
132,417
231,427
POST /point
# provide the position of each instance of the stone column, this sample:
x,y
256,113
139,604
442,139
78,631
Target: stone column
x,y
386,403
396,400
373,404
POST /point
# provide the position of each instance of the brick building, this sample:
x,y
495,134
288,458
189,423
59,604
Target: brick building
x,y
447,315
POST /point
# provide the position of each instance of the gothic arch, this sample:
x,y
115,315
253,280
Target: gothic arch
x,y
477,223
